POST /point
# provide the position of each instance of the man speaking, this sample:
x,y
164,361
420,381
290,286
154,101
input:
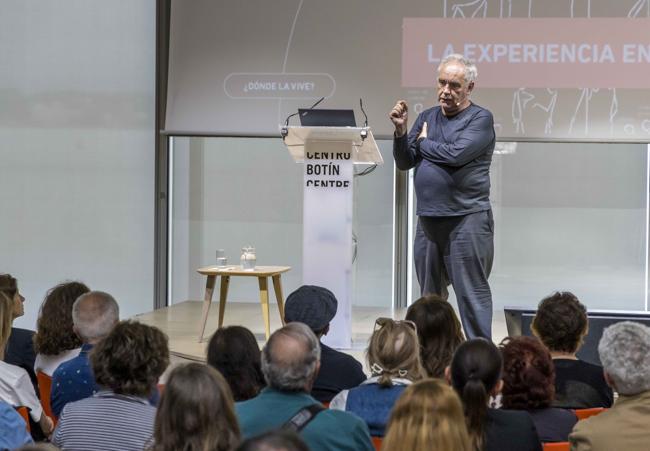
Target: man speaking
x,y
450,146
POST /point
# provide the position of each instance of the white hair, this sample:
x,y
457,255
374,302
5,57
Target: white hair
x,y
471,72
290,373
624,351
94,314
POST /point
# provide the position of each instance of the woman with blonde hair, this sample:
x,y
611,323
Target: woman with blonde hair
x,y
196,412
16,387
394,360
428,416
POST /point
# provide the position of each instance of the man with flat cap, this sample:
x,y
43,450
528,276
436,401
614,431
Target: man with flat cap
x,y
316,306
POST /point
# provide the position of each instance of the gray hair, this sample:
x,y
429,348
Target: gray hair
x,y
94,314
290,357
471,72
624,351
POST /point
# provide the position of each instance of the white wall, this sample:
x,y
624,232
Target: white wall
x,y
77,148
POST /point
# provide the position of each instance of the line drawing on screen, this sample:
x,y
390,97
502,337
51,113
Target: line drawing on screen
x,y
572,8
583,105
286,54
549,110
636,10
520,99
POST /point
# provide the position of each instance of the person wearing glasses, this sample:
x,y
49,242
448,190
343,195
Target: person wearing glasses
x,y
450,146
394,361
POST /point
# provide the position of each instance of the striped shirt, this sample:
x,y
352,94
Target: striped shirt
x,y
105,422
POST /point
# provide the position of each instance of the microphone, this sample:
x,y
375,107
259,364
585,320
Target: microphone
x,y
365,124
284,131
313,106
364,133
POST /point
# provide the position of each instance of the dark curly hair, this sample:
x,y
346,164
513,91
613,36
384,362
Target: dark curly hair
x,y
54,333
130,359
561,322
8,285
235,353
528,374
439,332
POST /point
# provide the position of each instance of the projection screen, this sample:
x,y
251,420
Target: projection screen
x,y
547,69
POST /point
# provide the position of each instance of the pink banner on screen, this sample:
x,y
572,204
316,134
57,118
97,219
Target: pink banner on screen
x,y
534,53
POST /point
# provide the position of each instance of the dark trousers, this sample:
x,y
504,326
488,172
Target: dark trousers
x,y
458,250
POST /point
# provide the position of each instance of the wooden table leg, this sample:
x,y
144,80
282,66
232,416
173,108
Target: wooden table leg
x,y
223,295
207,299
264,299
277,287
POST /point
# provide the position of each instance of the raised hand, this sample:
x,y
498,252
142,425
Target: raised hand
x,y
399,116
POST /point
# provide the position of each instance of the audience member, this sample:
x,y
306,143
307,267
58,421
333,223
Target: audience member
x,y
16,388
12,427
55,340
439,332
275,440
316,306
428,416
475,374
290,362
127,365
394,361
38,447
196,412
20,347
624,350
93,315
561,324
234,352
529,384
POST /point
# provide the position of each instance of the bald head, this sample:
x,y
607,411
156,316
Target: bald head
x,y
94,314
291,358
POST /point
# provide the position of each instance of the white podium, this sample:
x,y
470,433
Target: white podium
x,y
329,155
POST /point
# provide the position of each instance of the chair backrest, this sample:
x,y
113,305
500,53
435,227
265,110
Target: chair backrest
x,y
24,412
44,389
559,446
586,413
377,442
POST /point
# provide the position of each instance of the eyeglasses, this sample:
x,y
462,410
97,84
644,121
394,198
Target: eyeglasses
x,y
382,321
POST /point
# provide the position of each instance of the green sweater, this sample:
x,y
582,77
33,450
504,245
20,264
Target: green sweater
x,y
329,430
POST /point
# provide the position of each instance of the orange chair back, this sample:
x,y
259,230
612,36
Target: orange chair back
x,y
559,446
377,442
44,389
586,413
24,412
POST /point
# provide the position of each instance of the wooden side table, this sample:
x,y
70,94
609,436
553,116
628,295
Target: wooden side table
x,y
261,272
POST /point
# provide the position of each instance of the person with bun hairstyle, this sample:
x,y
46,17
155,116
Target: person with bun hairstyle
x,y
475,374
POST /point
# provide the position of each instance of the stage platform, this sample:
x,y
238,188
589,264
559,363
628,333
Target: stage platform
x,y
181,324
